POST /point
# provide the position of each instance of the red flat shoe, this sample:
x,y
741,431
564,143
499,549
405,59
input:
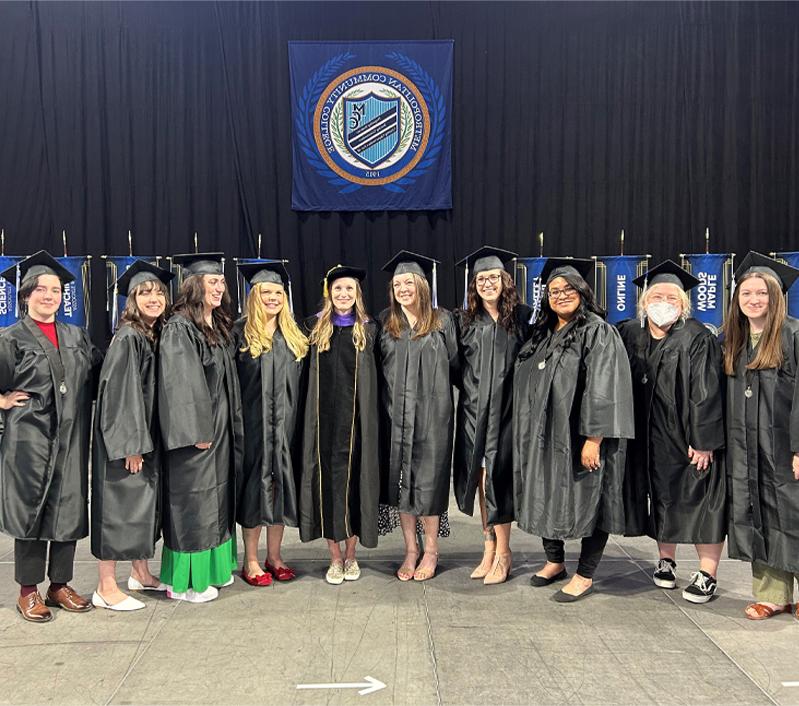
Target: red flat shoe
x,y
282,573
262,580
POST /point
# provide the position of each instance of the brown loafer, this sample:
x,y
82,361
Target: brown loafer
x,y
32,608
66,598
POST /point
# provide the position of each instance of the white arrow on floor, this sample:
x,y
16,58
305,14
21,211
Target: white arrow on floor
x,y
367,687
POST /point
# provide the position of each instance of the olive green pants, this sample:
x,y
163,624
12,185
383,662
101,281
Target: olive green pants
x,y
770,585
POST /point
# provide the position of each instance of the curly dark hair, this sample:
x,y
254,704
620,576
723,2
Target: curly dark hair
x,y
131,315
547,319
190,306
508,301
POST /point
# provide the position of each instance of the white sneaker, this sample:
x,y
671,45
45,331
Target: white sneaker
x,y
192,596
335,574
127,604
227,583
352,572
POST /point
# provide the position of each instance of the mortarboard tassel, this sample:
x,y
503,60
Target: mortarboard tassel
x,y
435,287
643,291
291,299
466,287
16,298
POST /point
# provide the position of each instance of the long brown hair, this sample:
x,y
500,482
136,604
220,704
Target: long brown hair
x,y
256,337
131,316
190,305
768,353
506,305
428,319
323,329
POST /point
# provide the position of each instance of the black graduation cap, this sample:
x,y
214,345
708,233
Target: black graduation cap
x,y
560,266
40,263
755,262
200,263
405,261
262,272
669,272
141,271
486,258
338,272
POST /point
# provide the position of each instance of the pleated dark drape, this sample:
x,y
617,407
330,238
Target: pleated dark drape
x,y
577,119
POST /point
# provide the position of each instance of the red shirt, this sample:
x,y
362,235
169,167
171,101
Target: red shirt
x,y
49,331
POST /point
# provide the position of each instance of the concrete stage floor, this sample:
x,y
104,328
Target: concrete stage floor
x,y
447,641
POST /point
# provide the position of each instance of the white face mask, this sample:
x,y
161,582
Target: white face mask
x,y
662,313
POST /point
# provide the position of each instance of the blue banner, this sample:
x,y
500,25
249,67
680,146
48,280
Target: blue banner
x,y
528,280
9,313
115,267
372,125
615,290
708,298
792,259
75,299
243,286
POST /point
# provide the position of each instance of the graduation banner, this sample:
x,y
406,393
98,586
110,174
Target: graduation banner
x,y
792,259
615,290
9,313
372,125
243,286
115,267
708,298
528,280
75,299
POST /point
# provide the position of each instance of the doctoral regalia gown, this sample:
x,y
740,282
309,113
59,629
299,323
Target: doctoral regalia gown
x,y
271,396
340,485
198,401
762,436
678,403
484,426
571,384
417,417
125,506
44,449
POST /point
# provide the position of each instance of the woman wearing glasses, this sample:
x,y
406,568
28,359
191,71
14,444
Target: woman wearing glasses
x,y
572,414
491,328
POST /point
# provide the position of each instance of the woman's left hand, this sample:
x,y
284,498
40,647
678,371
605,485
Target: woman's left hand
x,y
133,463
796,466
700,459
590,454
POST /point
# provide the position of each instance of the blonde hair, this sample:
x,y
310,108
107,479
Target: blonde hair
x,y
428,316
685,300
256,335
323,329
736,328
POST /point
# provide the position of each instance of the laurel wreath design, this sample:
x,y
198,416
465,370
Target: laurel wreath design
x,y
313,90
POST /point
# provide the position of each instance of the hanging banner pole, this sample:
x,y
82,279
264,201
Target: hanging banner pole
x,y
64,239
3,242
541,244
130,243
259,245
196,249
621,242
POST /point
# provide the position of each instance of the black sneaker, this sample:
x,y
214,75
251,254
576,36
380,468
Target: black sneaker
x,y
664,576
701,589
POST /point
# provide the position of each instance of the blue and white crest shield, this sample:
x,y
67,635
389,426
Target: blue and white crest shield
x,y
371,127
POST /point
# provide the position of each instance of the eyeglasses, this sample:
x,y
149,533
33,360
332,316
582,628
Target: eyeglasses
x,y
482,281
567,292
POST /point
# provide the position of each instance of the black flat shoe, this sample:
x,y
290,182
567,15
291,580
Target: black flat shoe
x,y
562,597
540,581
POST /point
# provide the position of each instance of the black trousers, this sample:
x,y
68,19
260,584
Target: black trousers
x,y
30,559
590,554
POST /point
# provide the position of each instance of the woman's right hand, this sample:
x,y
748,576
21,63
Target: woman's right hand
x,y
203,445
133,463
15,398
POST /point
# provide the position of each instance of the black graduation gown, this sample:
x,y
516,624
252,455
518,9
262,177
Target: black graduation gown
x,y
271,395
678,403
198,401
125,506
44,450
340,485
417,417
583,390
762,436
487,355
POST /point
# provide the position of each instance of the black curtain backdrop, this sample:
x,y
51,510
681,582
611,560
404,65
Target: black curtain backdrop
x,y
577,119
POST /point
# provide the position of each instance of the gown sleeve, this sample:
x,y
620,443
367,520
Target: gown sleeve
x,y
8,363
794,422
706,423
607,404
123,413
184,402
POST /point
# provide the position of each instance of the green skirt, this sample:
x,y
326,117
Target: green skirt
x,y
198,570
